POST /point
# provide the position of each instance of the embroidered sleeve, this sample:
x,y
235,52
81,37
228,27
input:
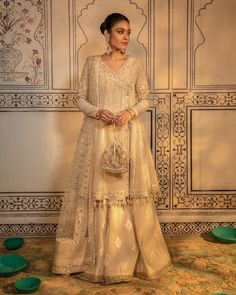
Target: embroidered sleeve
x,y
142,92
81,97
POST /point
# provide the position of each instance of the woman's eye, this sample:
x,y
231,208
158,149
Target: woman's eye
x,y
122,32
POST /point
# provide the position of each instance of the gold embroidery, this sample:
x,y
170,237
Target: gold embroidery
x,y
128,225
118,242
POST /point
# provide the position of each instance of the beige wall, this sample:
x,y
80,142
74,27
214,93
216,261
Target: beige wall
x,y
188,48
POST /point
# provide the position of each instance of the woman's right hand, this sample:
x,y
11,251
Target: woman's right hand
x,y
105,115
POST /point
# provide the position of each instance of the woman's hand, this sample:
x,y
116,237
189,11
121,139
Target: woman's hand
x,y
105,115
122,118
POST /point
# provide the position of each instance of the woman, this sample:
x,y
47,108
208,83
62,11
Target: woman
x,y
108,229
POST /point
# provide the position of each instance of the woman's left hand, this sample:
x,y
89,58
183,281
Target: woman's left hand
x,y
122,118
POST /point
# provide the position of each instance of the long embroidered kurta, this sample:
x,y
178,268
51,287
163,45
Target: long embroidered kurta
x,y
108,228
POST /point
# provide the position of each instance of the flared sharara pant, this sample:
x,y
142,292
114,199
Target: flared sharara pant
x,y
128,243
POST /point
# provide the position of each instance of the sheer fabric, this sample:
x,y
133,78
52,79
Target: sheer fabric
x,y
108,217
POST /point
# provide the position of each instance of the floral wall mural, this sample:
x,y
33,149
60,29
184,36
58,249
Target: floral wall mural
x,y
22,40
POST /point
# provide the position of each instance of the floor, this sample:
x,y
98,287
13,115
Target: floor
x,y
202,266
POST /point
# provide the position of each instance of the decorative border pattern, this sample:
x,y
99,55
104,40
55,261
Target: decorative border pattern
x,y
185,228
181,198
28,230
38,100
162,104
30,203
168,228
65,101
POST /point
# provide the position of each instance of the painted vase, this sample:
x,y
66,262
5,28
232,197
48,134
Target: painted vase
x,y
9,58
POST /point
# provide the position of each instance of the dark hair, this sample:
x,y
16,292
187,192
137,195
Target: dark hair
x,y
111,20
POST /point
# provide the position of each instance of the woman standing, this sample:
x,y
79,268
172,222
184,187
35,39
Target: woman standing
x,y
108,229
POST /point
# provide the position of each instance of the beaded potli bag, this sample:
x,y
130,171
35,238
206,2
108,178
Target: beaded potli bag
x,y
115,158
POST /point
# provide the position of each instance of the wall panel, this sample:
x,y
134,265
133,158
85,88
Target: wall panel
x,y
161,46
180,44
213,44
60,38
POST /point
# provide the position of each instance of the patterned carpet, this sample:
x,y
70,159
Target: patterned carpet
x,y
202,266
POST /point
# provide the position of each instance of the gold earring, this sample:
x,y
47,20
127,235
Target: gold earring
x,y
108,49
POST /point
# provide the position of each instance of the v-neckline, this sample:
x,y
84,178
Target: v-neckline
x,y
109,68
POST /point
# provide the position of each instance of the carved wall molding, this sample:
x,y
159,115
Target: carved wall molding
x,y
197,15
197,42
85,35
182,199
211,45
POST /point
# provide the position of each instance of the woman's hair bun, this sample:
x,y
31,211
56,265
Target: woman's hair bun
x,y
103,27
111,20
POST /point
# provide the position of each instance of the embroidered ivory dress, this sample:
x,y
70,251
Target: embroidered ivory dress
x,y
108,228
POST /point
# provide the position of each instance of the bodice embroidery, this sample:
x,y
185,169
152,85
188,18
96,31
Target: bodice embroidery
x,y
116,75
120,68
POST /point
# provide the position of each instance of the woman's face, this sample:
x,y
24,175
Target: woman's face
x,y
119,35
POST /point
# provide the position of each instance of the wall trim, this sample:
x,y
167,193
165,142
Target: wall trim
x,y
168,229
